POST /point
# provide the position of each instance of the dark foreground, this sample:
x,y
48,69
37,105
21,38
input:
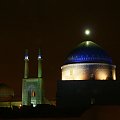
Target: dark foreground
x,y
40,111
95,112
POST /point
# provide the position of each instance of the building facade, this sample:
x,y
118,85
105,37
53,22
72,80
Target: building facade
x,y
88,77
32,88
88,61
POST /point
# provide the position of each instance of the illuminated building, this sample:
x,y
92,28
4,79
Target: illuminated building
x,y
32,88
88,77
7,98
88,61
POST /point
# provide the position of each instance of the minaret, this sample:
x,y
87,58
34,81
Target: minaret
x,y
26,69
40,76
39,65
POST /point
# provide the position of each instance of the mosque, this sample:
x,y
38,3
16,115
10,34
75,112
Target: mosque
x,y
32,88
88,61
88,77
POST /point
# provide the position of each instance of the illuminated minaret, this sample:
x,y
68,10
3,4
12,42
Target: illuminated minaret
x,y
39,65
26,70
32,88
40,75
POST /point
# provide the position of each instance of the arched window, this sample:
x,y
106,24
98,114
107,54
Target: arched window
x,y
33,94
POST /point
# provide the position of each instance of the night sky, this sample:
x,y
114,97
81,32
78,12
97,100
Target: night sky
x,y
55,26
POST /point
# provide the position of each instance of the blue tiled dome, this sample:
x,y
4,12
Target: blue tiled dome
x,y
88,52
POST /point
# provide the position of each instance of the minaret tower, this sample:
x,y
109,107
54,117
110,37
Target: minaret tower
x,y
32,88
26,70
40,76
39,64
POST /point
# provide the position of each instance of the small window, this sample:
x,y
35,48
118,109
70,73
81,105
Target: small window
x,y
71,71
33,93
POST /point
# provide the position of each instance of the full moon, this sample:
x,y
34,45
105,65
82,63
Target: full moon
x,y
87,32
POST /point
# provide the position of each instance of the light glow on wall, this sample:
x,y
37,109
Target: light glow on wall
x,y
102,74
73,73
83,71
114,75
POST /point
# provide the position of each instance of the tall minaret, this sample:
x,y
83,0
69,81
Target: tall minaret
x,y
39,65
26,69
40,76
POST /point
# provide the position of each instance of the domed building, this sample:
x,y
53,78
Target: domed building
x,y
88,77
88,61
7,98
6,93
